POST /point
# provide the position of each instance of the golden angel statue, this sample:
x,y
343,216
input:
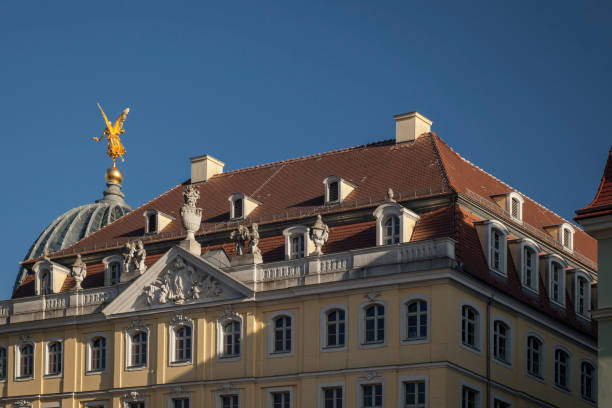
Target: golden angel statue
x,y
115,148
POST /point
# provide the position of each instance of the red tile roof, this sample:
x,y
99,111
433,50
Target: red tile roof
x,y
602,203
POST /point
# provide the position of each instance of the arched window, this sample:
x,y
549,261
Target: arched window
x,y
54,358
530,269
498,250
182,344
297,246
470,327
115,273
3,363
391,230
335,326
582,296
587,381
535,353
231,339
501,341
97,354
45,282
139,349
374,324
416,320
562,369
26,360
557,282
282,334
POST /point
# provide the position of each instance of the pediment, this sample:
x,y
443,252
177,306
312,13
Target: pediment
x,y
178,278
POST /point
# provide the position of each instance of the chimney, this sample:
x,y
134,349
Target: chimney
x,y
204,167
410,126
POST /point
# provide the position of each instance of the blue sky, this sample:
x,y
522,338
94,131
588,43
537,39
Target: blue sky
x,y
522,89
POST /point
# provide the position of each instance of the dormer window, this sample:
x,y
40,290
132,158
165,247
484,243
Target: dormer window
x,y
391,232
556,279
45,282
156,221
529,265
567,236
113,268
337,189
49,277
495,244
515,206
297,242
241,206
394,223
582,293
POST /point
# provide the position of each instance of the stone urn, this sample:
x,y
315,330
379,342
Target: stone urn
x,y
191,217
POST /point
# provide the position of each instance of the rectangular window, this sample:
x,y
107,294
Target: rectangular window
x,y
469,397
153,223
528,268
297,246
497,403
414,394
238,208
281,399
333,191
332,397
516,209
372,396
230,401
556,291
137,404
180,402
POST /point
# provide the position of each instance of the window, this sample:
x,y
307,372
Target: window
x,y
497,403
416,320
587,381
26,361
138,349
180,402
152,223
333,192
297,242
333,397
414,394
231,339
97,347
3,363
501,341
113,267
45,282
372,395
535,352
238,208
557,282
514,206
297,246
566,236
230,401
391,234
562,369
335,326
470,327
281,399
115,273
582,296
282,334
182,344
137,404
374,324
54,358
470,398
498,250
530,268
336,189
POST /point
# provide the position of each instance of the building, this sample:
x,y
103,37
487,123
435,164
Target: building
x,y
596,219
393,274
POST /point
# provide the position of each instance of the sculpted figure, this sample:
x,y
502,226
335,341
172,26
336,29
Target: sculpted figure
x,y
254,240
128,255
179,295
191,195
164,291
115,148
240,236
195,290
150,294
319,233
139,259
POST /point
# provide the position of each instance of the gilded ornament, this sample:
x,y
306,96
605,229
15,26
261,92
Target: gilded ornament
x,y
112,131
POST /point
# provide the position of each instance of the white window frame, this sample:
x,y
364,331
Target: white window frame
x,y
542,377
178,395
374,381
407,220
490,225
326,385
515,196
568,370
595,380
89,353
509,342
17,372
562,286
404,340
478,389
246,210
172,329
222,321
344,189
291,232
129,332
147,214
46,357
108,261
478,330
228,392
362,326
271,327
407,379
323,328
567,227
273,390
577,275
532,246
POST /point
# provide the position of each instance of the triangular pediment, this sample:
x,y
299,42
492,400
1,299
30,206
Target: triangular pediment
x,y
178,278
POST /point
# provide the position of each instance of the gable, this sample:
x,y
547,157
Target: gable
x,y
178,278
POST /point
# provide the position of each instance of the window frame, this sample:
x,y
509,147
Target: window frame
x,y
222,321
271,334
542,357
289,233
108,262
402,380
568,370
362,325
407,221
6,353
274,390
178,395
323,328
404,340
478,330
48,344
173,327
491,226
17,373
529,245
378,380
227,392
571,231
129,333
89,353
594,380
563,281
464,384
577,276
327,385
509,342
495,396
515,196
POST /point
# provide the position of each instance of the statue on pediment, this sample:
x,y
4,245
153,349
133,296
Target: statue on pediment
x,y
240,236
134,256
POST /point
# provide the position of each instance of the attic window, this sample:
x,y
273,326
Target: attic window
x,y
566,236
337,189
156,221
238,208
241,206
514,206
152,223
333,191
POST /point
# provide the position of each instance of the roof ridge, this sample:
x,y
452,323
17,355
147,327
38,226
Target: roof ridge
x,y
433,136
504,183
307,157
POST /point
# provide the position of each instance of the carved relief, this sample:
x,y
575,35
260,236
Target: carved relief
x,y
22,404
133,396
369,376
134,256
181,283
136,325
180,318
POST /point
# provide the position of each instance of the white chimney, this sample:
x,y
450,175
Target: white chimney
x,y
204,167
410,126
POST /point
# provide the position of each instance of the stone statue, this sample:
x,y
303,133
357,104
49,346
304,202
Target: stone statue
x,y
115,148
254,240
79,271
191,217
240,236
139,259
195,291
150,294
134,256
390,195
191,196
128,255
319,233
163,292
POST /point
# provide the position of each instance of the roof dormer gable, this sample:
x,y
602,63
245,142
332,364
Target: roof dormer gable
x,y
241,206
337,189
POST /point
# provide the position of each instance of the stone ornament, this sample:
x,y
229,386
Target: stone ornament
x,y
22,404
79,272
240,236
180,318
191,216
180,284
254,240
319,233
134,256
132,396
370,375
136,325
371,296
390,195
229,314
